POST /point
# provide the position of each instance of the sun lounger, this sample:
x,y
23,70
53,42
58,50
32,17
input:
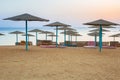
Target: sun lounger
x,y
90,44
23,43
61,46
48,46
51,46
109,47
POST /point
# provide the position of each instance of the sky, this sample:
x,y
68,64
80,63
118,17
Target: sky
x,y
73,12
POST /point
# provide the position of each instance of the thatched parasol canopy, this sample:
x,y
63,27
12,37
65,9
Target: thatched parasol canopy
x,y
114,36
52,35
16,32
36,31
28,35
97,30
57,24
101,24
26,17
47,32
1,34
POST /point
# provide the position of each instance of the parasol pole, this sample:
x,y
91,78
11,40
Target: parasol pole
x,y
26,36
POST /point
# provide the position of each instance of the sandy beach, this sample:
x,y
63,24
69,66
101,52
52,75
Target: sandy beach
x,y
58,63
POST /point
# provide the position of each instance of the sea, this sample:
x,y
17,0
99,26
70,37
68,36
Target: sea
x,y
10,39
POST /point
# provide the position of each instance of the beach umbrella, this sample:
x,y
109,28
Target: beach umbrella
x,y
118,34
114,36
28,35
70,33
1,34
103,27
47,32
26,17
97,30
76,35
52,35
16,32
57,24
95,34
100,23
65,29
36,31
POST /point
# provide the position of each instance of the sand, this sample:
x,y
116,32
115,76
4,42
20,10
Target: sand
x,y
58,63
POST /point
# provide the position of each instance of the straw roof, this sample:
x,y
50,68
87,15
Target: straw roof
x,y
57,24
94,34
16,32
1,34
24,17
35,30
118,34
100,22
77,35
69,32
96,30
27,34
103,26
47,32
52,35
71,29
115,35
66,28
63,28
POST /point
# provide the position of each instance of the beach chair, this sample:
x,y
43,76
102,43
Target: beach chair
x,y
90,44
48,46
107,45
